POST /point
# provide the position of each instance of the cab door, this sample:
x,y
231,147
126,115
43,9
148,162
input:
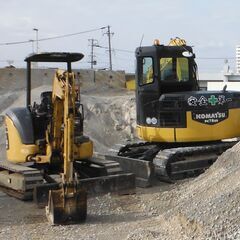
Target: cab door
x,y
147,88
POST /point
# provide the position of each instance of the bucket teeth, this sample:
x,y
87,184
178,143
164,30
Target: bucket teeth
x,y
67,208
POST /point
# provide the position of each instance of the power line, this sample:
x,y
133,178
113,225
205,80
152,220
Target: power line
x,y
123,50
52,38
118,49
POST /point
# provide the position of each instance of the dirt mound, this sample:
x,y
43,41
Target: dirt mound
x,y
205,207
109,120
213,199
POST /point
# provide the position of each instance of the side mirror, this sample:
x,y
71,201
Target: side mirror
x,y
187,54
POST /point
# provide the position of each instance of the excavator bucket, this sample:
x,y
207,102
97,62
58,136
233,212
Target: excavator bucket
x,y
67,207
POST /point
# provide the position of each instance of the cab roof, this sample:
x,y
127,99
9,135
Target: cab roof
x,y
54,57
163,51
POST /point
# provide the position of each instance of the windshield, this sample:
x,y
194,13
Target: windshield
x,y
174,69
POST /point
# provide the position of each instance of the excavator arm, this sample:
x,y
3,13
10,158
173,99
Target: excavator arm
x,y
69,203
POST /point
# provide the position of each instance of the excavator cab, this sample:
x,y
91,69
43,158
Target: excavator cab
x,y
170,107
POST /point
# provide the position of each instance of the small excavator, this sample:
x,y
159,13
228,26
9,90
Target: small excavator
x,y
49,157
183,128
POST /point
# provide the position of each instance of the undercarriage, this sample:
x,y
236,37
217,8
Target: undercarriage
x,y
167,162
98,176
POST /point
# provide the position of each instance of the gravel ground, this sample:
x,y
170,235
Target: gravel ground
x,y
109,217
207,207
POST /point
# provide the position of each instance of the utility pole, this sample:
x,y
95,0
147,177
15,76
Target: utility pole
x,y
36,30
93,43
32,41
35,65
109,33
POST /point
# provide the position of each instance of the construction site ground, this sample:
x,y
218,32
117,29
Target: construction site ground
x,y
206,207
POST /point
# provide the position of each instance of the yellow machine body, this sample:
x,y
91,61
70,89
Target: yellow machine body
x,y
194,131
83,150
17,152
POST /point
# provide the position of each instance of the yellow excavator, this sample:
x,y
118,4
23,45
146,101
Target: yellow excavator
x,y
48,154
183,129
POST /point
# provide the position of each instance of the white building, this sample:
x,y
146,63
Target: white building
x,y
227,76
230,78
238,59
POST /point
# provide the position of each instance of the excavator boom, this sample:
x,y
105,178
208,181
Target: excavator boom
x,y
69,203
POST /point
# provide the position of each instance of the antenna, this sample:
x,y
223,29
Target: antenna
x,y
224,88
141,40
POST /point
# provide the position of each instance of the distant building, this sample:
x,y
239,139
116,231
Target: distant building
x,y
226,75
229,77
204,78
238,59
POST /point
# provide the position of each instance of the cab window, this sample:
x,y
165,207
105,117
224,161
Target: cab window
x,y
174,69
147,71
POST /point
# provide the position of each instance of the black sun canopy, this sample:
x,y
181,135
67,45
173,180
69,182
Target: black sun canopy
x,y
54,57
66,57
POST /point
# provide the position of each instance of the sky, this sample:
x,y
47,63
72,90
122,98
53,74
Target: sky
x,y
211,26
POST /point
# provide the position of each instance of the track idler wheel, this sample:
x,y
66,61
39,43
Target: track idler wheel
x,y
67,205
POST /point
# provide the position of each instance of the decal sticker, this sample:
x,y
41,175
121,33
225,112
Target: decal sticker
x,y
210,117
154,121
148,120
213,100
221,99
202,101
192,101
